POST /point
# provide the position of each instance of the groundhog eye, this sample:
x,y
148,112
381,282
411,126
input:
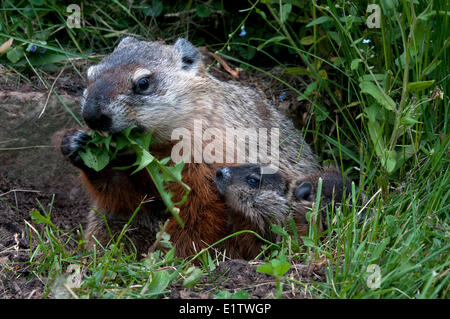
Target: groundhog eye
x,y
142,85
252,181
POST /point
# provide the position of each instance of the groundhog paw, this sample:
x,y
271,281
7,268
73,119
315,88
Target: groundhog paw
x,y
71,143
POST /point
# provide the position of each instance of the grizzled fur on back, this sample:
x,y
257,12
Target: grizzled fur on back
x,y
180,92
159,88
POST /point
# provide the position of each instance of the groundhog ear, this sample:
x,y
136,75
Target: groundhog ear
x,y
303,191
190,56
126,41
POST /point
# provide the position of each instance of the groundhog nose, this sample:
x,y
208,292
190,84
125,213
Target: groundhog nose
x,y
303,191
97,121
223,174
219,174
222,179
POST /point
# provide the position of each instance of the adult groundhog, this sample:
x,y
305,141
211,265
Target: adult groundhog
x,y
162,88
256,200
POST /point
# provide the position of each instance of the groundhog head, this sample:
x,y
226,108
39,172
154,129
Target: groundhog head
x,y
251,194
146,84
263,199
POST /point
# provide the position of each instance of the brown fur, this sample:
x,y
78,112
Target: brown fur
x,y
208,224
117,194
179,95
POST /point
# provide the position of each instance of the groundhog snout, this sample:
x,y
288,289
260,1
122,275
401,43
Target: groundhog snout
x,y
94,109
97,120
304,191
222,179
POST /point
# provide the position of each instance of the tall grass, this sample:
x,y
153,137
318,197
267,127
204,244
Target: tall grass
x,y
392,99
378,109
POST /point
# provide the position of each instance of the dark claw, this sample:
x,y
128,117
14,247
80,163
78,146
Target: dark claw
x,y
71,143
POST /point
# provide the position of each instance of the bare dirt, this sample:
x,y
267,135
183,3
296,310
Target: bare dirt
x,y
32,169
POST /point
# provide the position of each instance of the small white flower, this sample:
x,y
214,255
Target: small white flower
x,y
366,41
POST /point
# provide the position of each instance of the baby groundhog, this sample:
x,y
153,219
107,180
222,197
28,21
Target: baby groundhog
x,y
255,200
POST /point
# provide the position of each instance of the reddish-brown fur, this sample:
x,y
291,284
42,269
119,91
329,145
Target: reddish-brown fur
x,y
203,214
118,193
178,94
